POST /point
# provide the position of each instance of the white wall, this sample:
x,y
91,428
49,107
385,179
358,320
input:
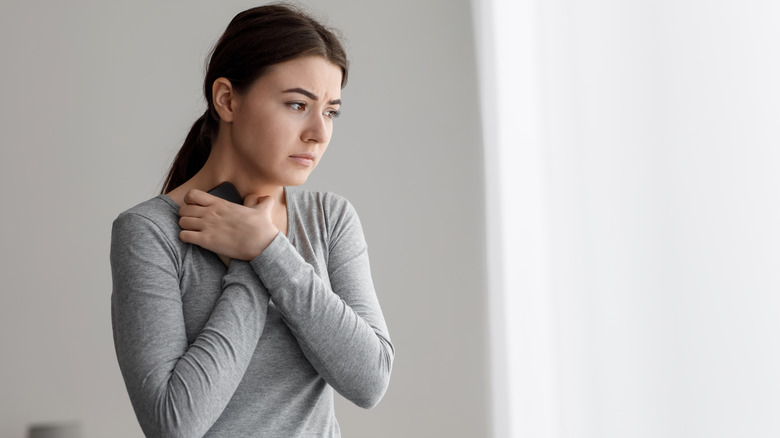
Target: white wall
x,y
660,124
96,97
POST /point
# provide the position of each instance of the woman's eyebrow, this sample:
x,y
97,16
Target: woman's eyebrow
x,y
310,95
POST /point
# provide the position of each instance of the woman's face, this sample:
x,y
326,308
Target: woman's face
x,y
282,125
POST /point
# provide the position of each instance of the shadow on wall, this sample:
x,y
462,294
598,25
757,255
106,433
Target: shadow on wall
x,y
55,430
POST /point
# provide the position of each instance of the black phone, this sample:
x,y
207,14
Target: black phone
x,y
228,192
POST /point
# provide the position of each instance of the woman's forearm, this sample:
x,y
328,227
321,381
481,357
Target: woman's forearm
x,y
177,388
339,326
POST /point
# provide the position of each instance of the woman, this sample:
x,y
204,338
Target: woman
x,y
238,320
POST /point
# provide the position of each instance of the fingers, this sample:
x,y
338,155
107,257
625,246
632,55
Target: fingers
x,y
199,197
192,210
195,237
259,201
187,236
191,223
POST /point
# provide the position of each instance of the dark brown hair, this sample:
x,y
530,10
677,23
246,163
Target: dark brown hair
x,y
255,40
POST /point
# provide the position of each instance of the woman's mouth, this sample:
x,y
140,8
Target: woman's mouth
x,y
303,159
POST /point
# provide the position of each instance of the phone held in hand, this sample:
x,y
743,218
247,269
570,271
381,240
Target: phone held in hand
x,y
227,191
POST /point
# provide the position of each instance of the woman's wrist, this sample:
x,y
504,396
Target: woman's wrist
x,y
262,242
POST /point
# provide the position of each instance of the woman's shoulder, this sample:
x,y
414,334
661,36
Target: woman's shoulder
x,y
327,213
159,214
327,203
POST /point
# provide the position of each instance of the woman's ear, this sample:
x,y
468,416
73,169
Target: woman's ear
x,y
223,97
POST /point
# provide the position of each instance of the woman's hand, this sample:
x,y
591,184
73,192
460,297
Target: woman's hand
x,y
231,230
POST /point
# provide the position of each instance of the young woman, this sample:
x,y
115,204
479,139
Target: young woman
x,y
238,320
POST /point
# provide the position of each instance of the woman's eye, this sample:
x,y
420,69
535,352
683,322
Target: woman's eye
x,y
297,106
332,114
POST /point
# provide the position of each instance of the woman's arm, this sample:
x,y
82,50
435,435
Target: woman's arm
x,y
340,327
177,389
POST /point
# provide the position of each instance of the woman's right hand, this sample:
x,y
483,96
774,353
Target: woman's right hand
x,y
231,230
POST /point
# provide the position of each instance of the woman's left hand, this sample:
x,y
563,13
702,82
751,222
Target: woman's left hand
x,y
231,230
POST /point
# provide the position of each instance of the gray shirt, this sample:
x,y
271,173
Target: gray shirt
x,y
255,349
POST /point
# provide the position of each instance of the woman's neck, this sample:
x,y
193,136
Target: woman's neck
x,y
215,172
220,168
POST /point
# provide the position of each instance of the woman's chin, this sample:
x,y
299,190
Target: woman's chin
x,y
297,181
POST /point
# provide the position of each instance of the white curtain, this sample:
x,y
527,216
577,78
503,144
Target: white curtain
x,y
633,199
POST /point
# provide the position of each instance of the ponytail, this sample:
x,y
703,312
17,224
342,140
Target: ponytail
x,y
193,153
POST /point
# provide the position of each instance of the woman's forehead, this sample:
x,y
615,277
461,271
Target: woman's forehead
x,y
314,74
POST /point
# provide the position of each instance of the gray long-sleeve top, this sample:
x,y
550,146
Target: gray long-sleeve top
x,y
254,349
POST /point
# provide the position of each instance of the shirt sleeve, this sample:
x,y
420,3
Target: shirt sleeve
x,y
177,389
339,326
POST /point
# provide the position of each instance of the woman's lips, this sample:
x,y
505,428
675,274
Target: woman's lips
x,y
303,159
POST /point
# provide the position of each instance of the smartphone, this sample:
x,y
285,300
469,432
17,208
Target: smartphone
x,y
228,192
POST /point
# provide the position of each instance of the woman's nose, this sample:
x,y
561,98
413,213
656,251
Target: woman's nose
x,y
317,129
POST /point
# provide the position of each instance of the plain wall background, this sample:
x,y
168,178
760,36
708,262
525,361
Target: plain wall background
x,y
96,98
